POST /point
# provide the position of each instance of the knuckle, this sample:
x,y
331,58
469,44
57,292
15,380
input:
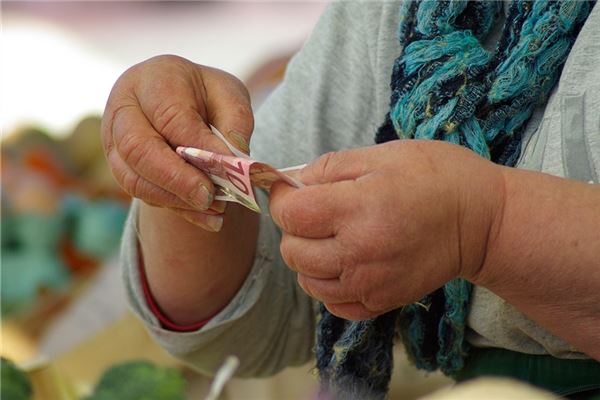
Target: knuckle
x,y
173,180
243,115
118,124
348,270
312,264
172,118
127,182
116,168
157,197
303,284
286,217
345,260
134,186
298,218
373,302
235,86
113,125
375,297
363,313
154,194
230,77
238,114
289,254
165,58
161,63
300,260
123,85
325,163
164,115
340,264
322,169
171,175
134,150
361,284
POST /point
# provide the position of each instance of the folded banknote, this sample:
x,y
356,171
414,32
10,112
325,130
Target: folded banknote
x,y
236,176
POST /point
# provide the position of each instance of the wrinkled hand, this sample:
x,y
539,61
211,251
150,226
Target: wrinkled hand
x,y
162,103
382,226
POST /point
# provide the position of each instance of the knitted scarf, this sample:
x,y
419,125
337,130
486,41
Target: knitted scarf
x,y
446,86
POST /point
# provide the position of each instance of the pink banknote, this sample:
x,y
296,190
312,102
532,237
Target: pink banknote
x,y
234,177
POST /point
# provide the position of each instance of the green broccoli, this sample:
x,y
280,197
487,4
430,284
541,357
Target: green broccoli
x,y
139,380
14,384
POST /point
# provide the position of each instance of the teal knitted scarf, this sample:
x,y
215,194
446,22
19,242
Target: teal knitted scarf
x,y
446,86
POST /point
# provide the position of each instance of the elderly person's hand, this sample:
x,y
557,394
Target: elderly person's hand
x,y
379,227
163,103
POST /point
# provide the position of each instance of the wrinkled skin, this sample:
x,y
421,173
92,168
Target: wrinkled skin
x,y
382,226
162,103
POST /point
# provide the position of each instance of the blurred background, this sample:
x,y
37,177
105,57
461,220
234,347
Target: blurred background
x,y
64,317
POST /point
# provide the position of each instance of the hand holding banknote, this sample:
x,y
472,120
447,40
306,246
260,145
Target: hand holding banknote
x,y
155,107
235,176
163,103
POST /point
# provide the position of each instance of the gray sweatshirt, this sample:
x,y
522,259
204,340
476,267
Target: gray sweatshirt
x,y
334,96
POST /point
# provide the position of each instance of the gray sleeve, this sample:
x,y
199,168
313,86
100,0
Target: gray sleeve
x,y
335,92
321,106
561,139
268,325
566,142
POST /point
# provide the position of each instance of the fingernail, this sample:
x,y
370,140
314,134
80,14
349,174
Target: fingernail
x,y
201,197
214,222
238,140
218,206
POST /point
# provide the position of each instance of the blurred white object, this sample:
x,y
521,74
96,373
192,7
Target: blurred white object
x,y
491,389
101,304
224,374
82,59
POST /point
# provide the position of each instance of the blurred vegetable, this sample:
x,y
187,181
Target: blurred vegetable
x,y
95,226
29,259
15,385
139,380
62,213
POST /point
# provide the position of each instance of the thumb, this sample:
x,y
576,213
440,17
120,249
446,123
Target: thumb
x,y
180,98
336,166
228,107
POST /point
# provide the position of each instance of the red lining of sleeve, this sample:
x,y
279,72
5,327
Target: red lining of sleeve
x,y
158,313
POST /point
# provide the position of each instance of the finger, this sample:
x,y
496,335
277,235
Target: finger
x,y
329,291
337,166
147,154
172,96
152,194
312,211
315,258
238,140
228,106
351,311
138,187
211,223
